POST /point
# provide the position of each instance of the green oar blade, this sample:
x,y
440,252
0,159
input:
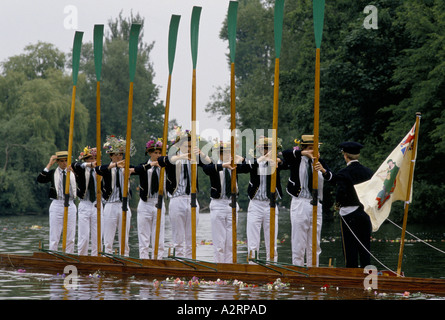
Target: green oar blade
x,y
278,25
77,45
172,37
98,49
318,9
194,31
231,23
133,49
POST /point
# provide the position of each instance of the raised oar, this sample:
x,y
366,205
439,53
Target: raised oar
x,y
172,37
408,192
194,31
76,60
318,11
98,53
278,31
231,24
133,52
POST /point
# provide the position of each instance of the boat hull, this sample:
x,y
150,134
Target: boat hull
x,y
261,273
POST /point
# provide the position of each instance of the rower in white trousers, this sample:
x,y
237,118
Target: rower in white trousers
x,y
221,220
180,218
301,235
56,215
258,214
87,227
147,215
112,220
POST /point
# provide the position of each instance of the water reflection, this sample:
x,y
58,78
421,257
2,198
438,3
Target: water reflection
x,y
22,234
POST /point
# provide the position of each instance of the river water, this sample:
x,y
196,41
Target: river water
x,y
21,235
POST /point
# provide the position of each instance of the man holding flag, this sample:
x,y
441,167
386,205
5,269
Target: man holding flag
x,y
355,222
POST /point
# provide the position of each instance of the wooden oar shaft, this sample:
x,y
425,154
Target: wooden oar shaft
x,y
408,194
315,173
193,166
98,163
127,169
67,185
161,178
232,153
273,179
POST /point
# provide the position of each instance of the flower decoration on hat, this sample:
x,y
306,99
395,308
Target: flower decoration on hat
x,y
266,141
221,145
87,152
115,144
179,134
182,135
153,144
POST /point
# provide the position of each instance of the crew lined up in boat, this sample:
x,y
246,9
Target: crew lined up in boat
x,y
355,222
178,169
57,178
220,174
112,193
86,210
299,186
258,212
149,176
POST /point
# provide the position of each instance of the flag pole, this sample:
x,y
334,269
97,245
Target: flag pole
x,y
76,60
408,192
278,32
318,12
133,51
231,23
172,37
194,30
98,52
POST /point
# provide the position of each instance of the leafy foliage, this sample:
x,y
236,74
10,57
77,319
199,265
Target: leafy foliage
x,y
373,81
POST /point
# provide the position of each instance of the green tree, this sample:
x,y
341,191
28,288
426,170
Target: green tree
x,y
148,113
35,107
372,81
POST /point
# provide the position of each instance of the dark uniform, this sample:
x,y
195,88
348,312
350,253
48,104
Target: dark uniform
x,y
354,218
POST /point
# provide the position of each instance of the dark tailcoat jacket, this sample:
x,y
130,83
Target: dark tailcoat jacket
x,y
144,186
173,170
106,185
52,177
345,180
79,172
292,159
213,170
251,166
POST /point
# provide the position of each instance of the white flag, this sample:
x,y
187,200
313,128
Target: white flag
x,y
389,183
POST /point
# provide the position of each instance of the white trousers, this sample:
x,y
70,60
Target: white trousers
x,y
147,218
87,227
301,237
56,213
112,220
181,224
221,220
258,214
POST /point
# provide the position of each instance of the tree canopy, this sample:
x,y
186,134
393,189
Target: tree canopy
x,y
373,81
35,103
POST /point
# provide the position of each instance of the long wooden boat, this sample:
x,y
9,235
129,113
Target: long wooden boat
x,y
260,272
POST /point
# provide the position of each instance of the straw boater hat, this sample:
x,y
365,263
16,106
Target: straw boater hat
x,y
62,155
153,144
87,152
306,139
222,146
181,136
266,141
115,144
